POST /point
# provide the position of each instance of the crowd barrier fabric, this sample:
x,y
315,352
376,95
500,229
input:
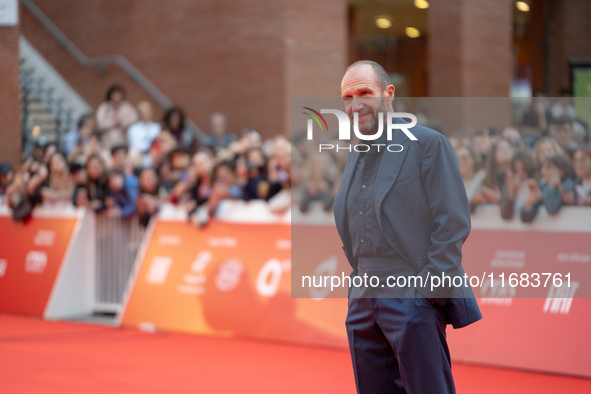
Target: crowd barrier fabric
x,y
43,268
228,279
233,279
544,334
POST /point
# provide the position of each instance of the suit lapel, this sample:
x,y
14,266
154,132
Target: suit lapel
x,y
340,202
390,166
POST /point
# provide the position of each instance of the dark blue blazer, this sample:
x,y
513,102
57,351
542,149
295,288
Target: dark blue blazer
x,y
423,212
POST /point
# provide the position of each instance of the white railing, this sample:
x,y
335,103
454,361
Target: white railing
x,y
48,86
117,243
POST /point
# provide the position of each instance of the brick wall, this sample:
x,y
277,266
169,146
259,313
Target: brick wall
x,y
316,49
470,48
10,111
470,56
569,32
240,57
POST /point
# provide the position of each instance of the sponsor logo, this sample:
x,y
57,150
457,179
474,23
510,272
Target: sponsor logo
x,y
173,240
269,276
560,299
44,238
229,275
35,262
508,259
193,283
158,271
222,242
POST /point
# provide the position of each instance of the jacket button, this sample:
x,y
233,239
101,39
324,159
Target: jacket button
x,y
362,240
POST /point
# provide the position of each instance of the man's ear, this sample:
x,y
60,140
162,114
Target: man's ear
x,y
389,94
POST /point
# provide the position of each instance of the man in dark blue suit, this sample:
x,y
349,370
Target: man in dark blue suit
x,y
401,213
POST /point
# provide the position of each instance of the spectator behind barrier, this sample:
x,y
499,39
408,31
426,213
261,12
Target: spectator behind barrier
x,y
564,134
582,165
563,107
114,116
536,114
59,186
149,201
497,164
121,198
473,174
141,134
174,123
318,185
519,180
6,177
554,190
545,148
76,141
200,188
96,185
219,137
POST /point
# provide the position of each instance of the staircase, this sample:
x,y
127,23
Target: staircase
x,y
50,105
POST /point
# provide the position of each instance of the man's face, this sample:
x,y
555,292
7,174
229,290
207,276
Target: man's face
x,y
563,133
218,125
145,111
362,93
119,158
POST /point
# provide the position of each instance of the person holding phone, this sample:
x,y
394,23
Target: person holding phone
x,y
554,190
519,180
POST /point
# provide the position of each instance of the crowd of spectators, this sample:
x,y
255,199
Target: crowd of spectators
x,y
542,160
545,161
121,163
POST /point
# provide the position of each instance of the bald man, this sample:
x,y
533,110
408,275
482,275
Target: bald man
x,y
401,212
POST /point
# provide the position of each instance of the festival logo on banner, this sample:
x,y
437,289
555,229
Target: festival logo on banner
x,y
228,279
31,255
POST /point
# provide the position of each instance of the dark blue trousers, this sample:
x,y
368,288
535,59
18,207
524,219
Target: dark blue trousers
x,y
398,345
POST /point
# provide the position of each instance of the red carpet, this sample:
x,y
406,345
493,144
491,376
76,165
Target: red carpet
x,y
56,357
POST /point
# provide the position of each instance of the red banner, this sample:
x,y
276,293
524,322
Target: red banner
x,y
229,280
545,334
234,279
31,255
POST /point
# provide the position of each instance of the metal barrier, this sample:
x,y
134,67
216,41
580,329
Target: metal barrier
x,y
117,243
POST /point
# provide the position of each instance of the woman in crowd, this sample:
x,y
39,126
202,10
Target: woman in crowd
x,y
200,187
59,186
114,116
517,184
202,182
251,173
545,148
76,141
24,192
473,174
121,196
318,185
174,122
224,185
96,186
555,190
582,166
148,201
497,164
